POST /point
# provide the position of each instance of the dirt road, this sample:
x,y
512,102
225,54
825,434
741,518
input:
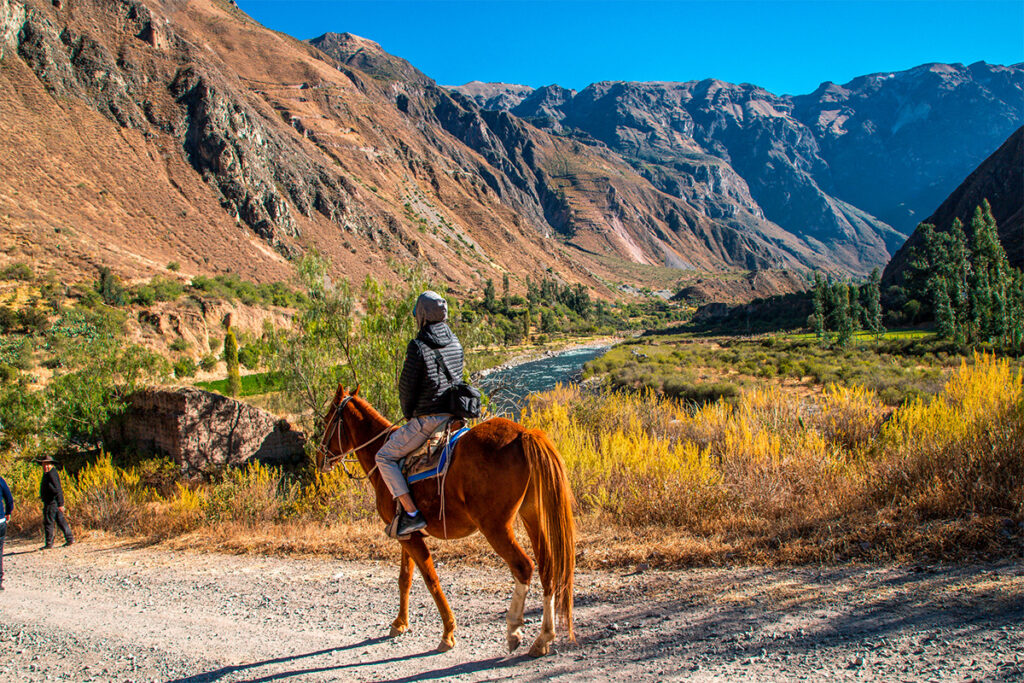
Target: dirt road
x,y
97,613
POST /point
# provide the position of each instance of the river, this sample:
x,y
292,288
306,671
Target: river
x,y
510,387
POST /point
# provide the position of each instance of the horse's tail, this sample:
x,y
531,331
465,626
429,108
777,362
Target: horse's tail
x,y
556,530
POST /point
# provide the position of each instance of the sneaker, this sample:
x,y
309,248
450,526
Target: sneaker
x,y
407,525
68,542
48,546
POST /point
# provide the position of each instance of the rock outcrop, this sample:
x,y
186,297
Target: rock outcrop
x,y
200,430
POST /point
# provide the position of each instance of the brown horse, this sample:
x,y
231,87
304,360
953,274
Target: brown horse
x,y
498,469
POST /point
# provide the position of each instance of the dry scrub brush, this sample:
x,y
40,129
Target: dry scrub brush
x,y
818,478
764,478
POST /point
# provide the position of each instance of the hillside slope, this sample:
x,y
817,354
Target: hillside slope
x,y
140,133
1000,180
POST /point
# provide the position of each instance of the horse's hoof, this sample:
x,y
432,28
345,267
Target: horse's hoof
x,y
446,644
398,630
539,650
514,642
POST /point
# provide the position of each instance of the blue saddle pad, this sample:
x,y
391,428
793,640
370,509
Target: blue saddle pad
x,y
442,463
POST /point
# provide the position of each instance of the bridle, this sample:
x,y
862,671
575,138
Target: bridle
x,y
337,426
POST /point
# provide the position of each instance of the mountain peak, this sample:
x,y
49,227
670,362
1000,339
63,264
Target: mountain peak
x,y
369,57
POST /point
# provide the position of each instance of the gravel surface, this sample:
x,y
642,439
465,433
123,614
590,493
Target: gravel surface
x,y
100,613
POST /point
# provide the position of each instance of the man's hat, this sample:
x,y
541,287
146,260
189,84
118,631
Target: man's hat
x,y
46,460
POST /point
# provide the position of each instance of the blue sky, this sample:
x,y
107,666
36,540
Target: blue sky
x,y
786,46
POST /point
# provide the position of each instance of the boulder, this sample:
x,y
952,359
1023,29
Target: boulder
x,y
201,430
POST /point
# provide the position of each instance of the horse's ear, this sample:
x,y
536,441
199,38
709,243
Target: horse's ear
x,y
356,390
339,393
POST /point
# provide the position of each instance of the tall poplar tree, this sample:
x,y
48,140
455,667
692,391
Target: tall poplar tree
x,y
873,303
818,293
231,360
844,324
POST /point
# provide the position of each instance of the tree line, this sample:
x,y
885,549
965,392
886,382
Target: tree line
x,y
961,278
843,308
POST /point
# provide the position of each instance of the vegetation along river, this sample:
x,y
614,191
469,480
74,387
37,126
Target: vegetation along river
x,y
510,386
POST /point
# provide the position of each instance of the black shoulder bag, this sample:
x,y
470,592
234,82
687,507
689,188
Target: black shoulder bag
x,y
463,400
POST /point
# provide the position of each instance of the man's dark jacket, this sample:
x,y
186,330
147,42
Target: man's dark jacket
x,y
7,506
50,490
423,381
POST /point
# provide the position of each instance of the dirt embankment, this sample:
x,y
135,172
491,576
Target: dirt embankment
x,y
121,613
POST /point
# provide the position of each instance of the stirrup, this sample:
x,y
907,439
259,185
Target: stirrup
x,y
391,529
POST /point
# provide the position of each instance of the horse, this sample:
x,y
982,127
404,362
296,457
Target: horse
x,y
499,469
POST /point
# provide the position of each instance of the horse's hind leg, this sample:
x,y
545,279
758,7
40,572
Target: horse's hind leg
x,y
401,624
503,540
542,645
417,549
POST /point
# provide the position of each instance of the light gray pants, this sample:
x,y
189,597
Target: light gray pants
x,y
403,441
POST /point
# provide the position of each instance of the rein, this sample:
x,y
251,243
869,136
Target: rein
x,y
337,425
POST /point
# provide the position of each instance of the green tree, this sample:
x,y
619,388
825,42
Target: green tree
x,y
872,303
98,373
231,360
844,324
856,310
489,300
958,279
818,295
945,318
110,288
991,279
311,356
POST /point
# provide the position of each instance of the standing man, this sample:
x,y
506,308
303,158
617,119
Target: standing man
x,y
434,356
52,495
6,508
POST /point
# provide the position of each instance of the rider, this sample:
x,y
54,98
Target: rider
x,y
420,390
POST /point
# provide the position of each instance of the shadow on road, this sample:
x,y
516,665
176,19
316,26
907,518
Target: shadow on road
x,y
224,671
437,674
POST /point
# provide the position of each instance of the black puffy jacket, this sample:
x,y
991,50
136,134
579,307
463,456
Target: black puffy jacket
x,y
423,382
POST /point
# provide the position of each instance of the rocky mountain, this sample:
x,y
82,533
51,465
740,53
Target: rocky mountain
x,y
1000,180
494,96
140,132
849,169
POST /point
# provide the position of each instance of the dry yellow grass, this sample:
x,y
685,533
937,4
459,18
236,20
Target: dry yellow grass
x,y
765,479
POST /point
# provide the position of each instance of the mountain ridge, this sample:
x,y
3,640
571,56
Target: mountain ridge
x,y
148,131
807,138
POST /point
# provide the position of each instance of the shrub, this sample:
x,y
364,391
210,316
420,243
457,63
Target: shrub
x,y
178,345
184,367
110,288
17,271
208,362
249,356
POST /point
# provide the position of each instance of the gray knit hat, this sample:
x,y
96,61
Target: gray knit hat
x,y
430,308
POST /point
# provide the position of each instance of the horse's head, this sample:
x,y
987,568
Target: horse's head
x,y
333,441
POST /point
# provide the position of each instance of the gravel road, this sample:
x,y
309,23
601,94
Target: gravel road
x,y
94,612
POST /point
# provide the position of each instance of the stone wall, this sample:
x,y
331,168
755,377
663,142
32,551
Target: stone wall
x,y
202,430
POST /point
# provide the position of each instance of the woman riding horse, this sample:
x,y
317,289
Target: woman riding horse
x,y
499,470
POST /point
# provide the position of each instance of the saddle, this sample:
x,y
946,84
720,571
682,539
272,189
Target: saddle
x,y
433,457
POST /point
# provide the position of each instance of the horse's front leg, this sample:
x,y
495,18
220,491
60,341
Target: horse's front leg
x,y
401,624
421,556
